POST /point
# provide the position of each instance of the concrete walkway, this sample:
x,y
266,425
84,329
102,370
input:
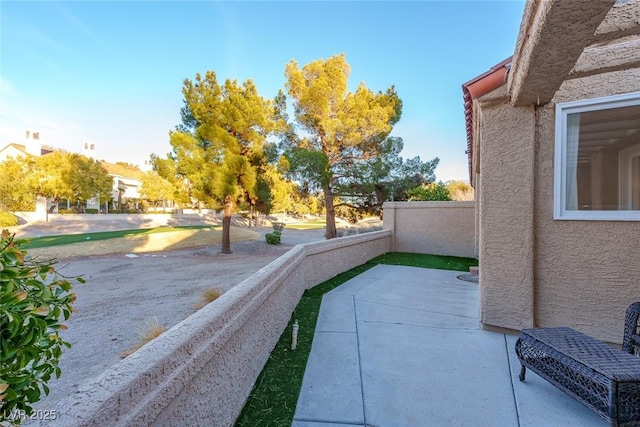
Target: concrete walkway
x,y
401,346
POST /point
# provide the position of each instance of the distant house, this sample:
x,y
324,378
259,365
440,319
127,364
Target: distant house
x,y
126,177
127,180
554,156
31,145
14,150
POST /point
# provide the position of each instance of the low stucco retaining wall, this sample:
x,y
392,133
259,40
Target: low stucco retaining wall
x,y
201,371
439,228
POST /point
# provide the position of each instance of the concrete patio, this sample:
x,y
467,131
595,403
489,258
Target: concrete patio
x,y
401,346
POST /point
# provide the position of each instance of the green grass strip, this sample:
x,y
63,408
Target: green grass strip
x,y
66,239
273,400
309,226
439,262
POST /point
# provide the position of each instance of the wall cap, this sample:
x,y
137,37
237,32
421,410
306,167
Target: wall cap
x,y
422,205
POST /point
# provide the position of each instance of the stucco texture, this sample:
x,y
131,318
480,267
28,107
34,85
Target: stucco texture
x,y
438,228
534,270
200,372
506,213
586,272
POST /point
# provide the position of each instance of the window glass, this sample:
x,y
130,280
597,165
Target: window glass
x,y
599,148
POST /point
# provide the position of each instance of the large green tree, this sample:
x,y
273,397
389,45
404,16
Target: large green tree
x,y
274,190
90,179
60,175
366,185
338,129
166,168
15,191
220,141
156,189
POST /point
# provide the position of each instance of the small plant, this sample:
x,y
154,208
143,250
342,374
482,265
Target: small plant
x,y
207,296
7,219
273,238
71,211
33,301
152,331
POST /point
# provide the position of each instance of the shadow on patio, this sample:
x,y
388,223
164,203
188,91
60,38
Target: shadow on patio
x,y
401,346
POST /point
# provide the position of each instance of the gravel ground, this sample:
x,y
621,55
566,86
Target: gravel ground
x,y
123,294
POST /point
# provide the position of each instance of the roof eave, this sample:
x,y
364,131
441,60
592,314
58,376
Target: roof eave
x,y
486,82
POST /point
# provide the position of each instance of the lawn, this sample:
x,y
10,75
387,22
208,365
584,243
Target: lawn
x,y
273,399
305,226
131,241
66,239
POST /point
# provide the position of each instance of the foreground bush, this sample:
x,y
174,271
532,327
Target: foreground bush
x,y
7,219
33,301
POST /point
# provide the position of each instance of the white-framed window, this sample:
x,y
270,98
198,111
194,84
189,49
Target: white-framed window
x,y
597,159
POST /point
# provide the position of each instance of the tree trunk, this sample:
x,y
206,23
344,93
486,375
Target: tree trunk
x,y
54,205
226,226
379,195
331,213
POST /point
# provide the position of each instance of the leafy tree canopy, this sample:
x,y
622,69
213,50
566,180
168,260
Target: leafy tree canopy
x,y
156,189
336,129
34,301
57,175
435,191
365,186
15,191
220,142
166,169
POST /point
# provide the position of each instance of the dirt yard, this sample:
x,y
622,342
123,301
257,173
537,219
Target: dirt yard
x,y
123,292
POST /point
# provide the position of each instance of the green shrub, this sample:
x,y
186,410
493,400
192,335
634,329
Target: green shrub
x,y
91,211
33,301
7,219
273,238
71,211
436,191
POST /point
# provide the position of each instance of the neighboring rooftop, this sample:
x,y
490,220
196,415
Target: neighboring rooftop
x,y
122,169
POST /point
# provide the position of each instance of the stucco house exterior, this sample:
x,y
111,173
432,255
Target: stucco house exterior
x,y
554,156
14,151
127,180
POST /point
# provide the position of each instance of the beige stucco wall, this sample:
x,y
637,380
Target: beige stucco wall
x,y
200,372
534,270
587,272
506,212
439,228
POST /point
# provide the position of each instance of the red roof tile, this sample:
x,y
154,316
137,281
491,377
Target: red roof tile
x,y
486,82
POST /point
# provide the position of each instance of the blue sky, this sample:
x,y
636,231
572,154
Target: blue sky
x,y
111,72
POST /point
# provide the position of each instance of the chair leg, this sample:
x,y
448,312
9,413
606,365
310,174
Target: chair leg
x,y
523,371
631,325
